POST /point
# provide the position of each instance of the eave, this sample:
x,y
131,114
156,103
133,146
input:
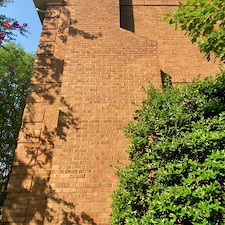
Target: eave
x,y
41,6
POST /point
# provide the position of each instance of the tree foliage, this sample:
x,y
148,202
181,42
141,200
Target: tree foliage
x,y
177,170
15,71
204,22
3,2
8,26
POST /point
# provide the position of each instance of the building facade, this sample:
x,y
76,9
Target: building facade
x,y
93,59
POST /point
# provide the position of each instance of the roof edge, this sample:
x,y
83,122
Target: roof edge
x,y
41,6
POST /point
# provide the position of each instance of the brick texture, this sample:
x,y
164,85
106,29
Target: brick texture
x,y
93,59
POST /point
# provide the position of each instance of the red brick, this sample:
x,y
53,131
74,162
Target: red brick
x,y
88,71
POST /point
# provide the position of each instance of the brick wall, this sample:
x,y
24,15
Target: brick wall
x,y
28,185
103,75
87,74
178,57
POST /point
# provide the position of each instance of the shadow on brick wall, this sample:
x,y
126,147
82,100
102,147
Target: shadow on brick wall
x,y
32,202
47,117
73,31
31,199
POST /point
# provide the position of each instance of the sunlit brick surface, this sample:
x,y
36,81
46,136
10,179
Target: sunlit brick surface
x,y
87,74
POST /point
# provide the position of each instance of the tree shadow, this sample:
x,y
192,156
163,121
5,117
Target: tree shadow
x,y
69,216
73,31
33,201
47,117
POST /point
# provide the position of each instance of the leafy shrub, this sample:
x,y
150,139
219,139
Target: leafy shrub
x,y
177,169
203,21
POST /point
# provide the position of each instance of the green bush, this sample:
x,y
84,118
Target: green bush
x,y
176,173
204,22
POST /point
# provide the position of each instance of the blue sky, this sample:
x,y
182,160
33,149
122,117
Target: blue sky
x,y
24,12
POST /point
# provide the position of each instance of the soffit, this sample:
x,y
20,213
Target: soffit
x,y
41,6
